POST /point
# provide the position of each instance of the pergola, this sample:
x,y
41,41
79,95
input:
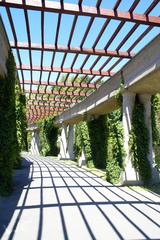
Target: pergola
x,y
105,56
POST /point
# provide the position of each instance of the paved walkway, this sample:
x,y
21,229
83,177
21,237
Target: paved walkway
x,y
57,201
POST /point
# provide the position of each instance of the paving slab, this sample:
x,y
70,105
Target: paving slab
x,y
56,201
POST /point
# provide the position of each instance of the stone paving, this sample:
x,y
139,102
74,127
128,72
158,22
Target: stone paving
x,y
56,201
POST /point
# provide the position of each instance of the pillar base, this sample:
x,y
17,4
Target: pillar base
x,y
129,176
64,158
82,160
34,150
130,182
155,176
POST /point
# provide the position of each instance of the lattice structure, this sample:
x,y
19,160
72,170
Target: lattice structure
x,y
106,53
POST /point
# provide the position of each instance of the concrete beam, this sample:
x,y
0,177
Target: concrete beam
x,y
140,75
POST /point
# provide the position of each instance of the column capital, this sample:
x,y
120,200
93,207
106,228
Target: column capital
x,y
64,125
144,97
127,93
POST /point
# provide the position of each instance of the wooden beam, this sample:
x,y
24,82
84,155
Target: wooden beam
x,y
75,9
64,84
66,49
66,70
59,93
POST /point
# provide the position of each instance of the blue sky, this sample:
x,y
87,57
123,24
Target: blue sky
x,y
65,27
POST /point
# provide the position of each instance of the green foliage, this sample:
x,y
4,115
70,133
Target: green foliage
x,y
9,150
155,116
115,149
82,141
102,142
113,171
76,80
139,143
98,135
29,138
78,142
21,120
48,137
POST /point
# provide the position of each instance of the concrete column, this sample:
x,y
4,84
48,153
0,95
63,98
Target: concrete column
x,y
70,142
66,143
145,99
63,143
129,176
35,143
82,159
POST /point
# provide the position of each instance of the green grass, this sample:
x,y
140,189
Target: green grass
x,y
152,188
102,174
98,172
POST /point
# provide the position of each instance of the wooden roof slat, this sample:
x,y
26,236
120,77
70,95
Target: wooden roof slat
x,y
74,9
43,102
76,50
65,70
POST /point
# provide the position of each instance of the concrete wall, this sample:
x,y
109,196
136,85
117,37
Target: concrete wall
x,y
4,48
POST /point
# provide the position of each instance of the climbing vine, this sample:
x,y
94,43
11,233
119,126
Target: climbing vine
x,y
82,142
78,142
102,142
98,135
155,115
29,139
21,121
48,137
115,149
9,149
139,143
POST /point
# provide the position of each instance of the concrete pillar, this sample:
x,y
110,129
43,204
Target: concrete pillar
x,y
129,176
82,159
145,99
63,143
66,143
35,143
70,142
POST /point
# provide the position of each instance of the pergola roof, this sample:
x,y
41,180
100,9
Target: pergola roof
x,y
97,41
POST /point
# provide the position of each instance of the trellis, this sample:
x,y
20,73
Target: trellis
x,y
42,103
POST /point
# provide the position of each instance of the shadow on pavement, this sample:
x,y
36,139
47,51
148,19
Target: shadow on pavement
x,y
8,204
55,201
